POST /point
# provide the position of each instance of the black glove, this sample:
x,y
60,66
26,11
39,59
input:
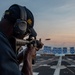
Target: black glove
x,y
35,43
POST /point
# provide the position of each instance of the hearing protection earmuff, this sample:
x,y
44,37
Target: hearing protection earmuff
x,y
20,26
22,19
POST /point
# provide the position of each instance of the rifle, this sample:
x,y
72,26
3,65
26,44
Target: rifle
x,y
17,43
23,43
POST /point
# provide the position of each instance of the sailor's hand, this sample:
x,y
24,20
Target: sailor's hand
x,y
39,44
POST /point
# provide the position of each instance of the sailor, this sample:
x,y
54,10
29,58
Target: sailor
x,y
15,23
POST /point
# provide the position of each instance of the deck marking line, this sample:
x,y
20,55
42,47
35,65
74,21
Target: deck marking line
x,y
57,71
70,70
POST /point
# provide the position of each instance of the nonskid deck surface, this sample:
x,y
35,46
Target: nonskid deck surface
x,y
62,65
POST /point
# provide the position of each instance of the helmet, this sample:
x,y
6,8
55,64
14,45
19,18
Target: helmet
x,y
21,17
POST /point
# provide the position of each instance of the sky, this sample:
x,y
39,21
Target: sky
x,y
54,19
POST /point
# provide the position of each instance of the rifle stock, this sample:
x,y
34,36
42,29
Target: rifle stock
x,y
20,42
